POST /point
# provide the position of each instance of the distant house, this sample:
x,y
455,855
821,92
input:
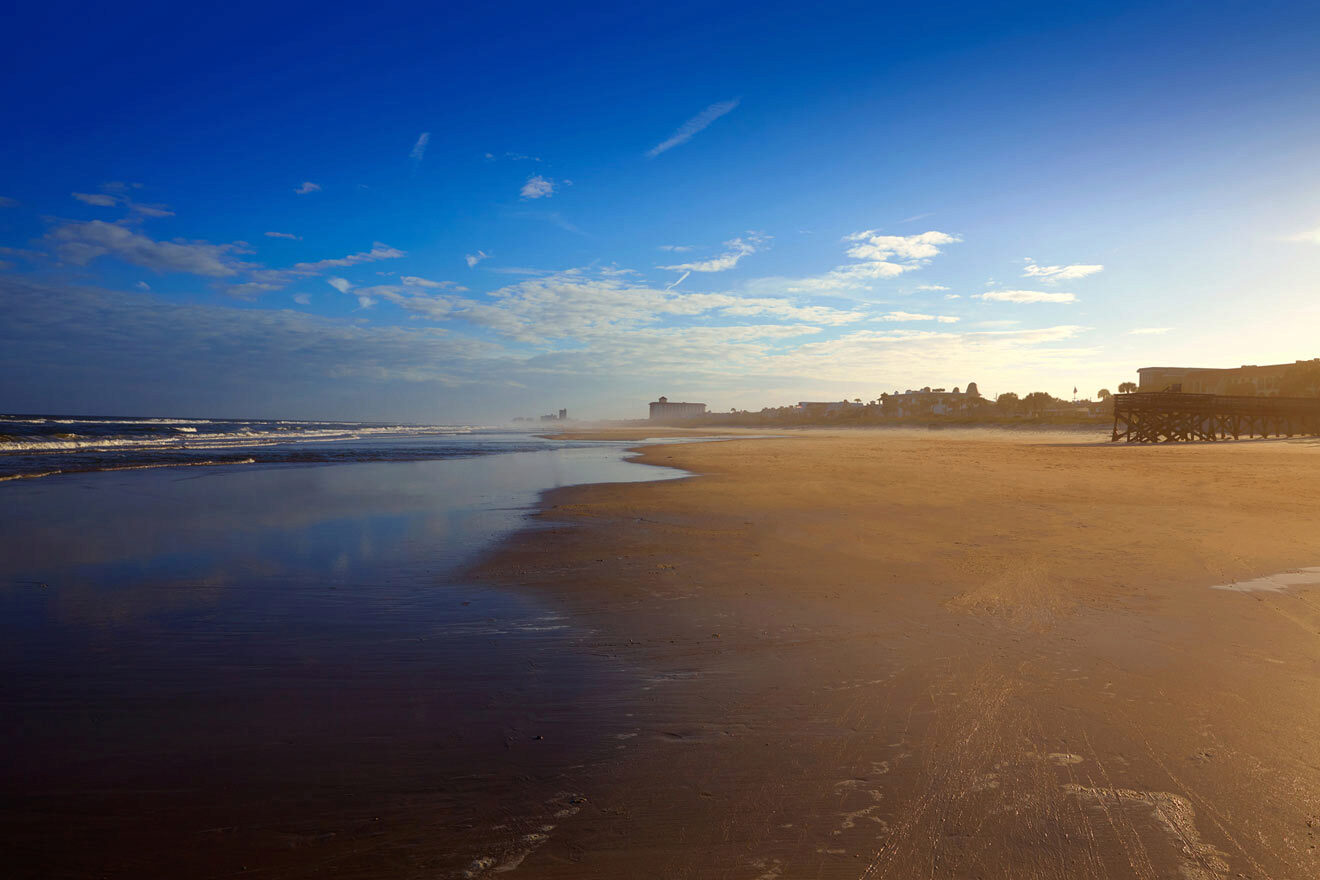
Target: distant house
x,y
931,402
1078,408
663,410
1247,380
819,406
551,417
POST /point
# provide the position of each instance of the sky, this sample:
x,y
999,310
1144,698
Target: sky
x,y
419,212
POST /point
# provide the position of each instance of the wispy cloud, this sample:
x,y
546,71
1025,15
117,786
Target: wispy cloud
x,y
308,187
693,127
1052,274
564,223
379,251
1025,296
537,187
116,193
912,316
303,299
676,248
738,248
100,200
6,202
80,243
1311,236
150,210
419,148
512,157
1150,331
677,281
931,287
416,281
473,259
343,285
288,235
262,280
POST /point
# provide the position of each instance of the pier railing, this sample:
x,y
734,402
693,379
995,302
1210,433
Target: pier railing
x,y
1172,416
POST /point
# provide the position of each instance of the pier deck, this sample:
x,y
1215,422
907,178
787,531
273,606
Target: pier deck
x,y
1174,417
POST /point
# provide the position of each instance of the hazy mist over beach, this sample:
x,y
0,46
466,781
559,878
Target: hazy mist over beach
x,y
676,441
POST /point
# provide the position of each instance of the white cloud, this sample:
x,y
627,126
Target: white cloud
x,y
692,127
537,187
261,280
879,256
288,235
587,306
308,187
1150,331
419,148
1052,274
343,285
871,245
379,251
911,316
513,157
953,296
225,349
365,302
142,285
676,248
738,248
99,199
416,281
1311,236
931,287
1025,296
150,210
473,259
80,243
116,193
302,299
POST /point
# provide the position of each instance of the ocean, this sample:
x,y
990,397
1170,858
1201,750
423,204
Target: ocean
x,y
46,445
224,641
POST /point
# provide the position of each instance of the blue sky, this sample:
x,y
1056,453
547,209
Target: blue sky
x,y
408,211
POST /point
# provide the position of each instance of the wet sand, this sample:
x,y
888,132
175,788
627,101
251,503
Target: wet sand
x,y
936,654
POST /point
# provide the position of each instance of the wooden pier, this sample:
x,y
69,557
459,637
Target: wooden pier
x,y
1175,417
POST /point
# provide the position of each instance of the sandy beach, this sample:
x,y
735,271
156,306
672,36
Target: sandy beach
x,y
937,654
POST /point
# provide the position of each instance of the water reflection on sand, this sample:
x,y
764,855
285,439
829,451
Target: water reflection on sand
x,y
271,647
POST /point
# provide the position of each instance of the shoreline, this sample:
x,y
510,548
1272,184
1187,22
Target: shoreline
x,y
822,696
301,677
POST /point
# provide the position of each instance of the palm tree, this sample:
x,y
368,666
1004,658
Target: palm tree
x,y
1127,387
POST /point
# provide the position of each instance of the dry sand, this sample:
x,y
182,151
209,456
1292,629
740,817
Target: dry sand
x,y
940,654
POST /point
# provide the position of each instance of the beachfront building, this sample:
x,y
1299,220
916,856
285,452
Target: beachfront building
x,y
665,410
819,406
931,402
1245,381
